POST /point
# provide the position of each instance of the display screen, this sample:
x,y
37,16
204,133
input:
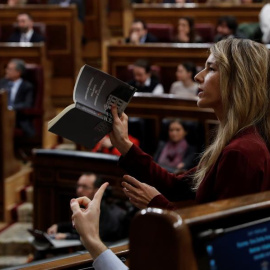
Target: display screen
x,y
242,247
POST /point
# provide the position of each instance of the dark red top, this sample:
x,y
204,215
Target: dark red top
x,y
243,167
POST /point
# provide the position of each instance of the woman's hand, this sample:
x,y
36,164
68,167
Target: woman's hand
x,y
86,221
119,135
139,194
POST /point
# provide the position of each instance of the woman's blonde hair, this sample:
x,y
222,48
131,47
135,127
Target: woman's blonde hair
x,y
244,68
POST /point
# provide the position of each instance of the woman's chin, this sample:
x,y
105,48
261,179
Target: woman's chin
x,y
200,103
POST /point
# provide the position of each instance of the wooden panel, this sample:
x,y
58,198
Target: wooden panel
x,y
172,236
8,163
63,39
95,31
55,175
202,13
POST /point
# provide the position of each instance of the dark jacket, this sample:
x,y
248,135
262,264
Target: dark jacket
x,y
242,168
24,99
16,36
149,39
112,226
145,89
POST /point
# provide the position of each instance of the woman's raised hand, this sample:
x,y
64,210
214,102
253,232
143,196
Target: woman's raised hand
x,y
119,134
139,194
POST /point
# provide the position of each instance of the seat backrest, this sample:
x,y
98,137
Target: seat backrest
x,y
206,31
34,74
163,32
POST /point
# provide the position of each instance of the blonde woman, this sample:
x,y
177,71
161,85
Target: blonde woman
x,y
235,83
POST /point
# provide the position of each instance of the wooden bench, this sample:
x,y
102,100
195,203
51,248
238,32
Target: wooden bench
x,y
55,176
192,238
175,240
73,261
202,13
63,41
149,106
8,164
121,14
32,53
165,55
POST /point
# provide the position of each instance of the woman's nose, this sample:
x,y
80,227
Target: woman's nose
x,y
199,77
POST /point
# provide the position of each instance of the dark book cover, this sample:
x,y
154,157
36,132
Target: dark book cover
x,y
89,119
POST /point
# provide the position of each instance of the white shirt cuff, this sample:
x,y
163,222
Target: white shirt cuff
x,y
107,260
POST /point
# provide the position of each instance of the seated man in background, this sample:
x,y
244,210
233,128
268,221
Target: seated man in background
x,y
227,28
143,80
113,219
20,94
138,33
25,31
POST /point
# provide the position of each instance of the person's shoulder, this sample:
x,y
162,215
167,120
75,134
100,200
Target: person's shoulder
x,y
14,37
248,143
177,84
151,38
3,82
37,37
26,84
175,87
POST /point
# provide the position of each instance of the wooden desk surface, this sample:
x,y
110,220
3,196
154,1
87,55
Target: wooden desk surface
x,y
73,261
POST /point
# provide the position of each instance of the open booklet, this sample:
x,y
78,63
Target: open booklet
x,y
89,119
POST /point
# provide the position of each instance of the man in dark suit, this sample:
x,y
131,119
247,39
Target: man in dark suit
x,y
25,31
113,220
20,94
138,33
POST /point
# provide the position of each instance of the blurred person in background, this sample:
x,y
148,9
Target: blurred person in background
x,y
186,32
143,80
138,33
185,86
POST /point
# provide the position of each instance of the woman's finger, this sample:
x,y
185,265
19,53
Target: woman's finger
x,y
130,187
131,180
84,201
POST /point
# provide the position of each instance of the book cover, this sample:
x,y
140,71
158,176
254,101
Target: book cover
x,y
89,119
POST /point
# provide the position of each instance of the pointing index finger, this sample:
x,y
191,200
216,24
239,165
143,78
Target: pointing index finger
x,y
98,196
